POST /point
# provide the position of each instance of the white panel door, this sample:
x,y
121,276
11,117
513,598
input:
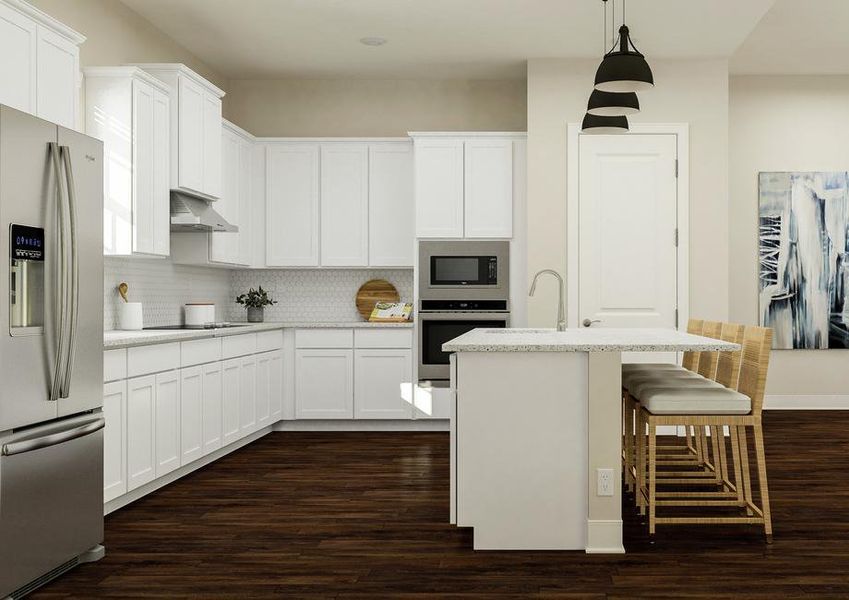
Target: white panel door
x,y
292,206
439,188
161,175
628,219
190,142
247,395
17,60
379,377
344,205
263,390
114,440
58,72
191,415
276,385
232,381
391,229
245,201
141,428
144,157
211,145
167,422
224,246
489,188
213,407
324,381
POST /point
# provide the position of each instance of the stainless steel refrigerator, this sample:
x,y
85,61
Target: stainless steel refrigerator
x,y
51,351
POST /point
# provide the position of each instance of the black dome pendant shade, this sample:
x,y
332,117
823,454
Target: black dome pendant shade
x,y
596,124
613,104
624,70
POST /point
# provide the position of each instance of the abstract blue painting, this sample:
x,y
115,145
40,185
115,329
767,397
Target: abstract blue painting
x,y
804,258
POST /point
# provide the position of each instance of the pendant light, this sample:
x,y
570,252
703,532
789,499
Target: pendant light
x,y
596,124
606,110
625,69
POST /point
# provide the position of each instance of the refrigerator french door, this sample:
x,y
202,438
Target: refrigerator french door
x,y
51,348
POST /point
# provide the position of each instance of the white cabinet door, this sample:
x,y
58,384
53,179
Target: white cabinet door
x,y
211,145
161,186
17,60
141,427
324,384
245,221
114,438
489,188
191,414
190,143
144,157
213,407
344,205
167,428
276,385
58,70
263,390
379,376
391,208
439,188
231,376
224,246
292,207
247,395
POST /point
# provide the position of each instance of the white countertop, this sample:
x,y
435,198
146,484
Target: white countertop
x,y
586,339
124,339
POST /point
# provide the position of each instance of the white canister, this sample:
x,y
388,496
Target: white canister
x,y
199,313
130,316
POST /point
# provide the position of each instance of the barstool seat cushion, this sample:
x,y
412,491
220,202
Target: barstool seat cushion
x,y
639,389
632,379
629,367
696,401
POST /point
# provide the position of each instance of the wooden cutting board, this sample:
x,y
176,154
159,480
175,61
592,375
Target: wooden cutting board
x,y
372,292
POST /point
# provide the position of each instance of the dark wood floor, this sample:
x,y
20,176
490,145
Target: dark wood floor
x,y
363,515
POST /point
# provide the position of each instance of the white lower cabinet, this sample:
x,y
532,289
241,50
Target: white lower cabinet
x,y
141,453
247,395
167,426
379,377
231,382
191,414
276,384
114,437
213,407
263,390
324,384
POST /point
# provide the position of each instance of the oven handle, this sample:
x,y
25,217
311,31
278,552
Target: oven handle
x,y
463,316
54,438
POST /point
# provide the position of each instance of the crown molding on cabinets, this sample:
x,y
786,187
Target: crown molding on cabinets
x,y
128,72
468,134
331,140
46,20
182,69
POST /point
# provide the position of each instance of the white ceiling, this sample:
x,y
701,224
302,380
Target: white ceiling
x,y
270,39
798,37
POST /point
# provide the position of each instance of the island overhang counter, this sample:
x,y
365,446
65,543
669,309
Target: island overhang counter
x,y
536,428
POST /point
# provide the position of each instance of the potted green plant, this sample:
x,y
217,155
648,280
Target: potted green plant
x,y
255,301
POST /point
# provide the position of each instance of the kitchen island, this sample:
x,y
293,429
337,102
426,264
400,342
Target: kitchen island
x,y
536,433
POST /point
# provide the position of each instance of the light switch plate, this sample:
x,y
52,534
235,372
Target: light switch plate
x,y
604,482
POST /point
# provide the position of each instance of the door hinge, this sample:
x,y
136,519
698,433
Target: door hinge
x,y
676,168
676,318
675,237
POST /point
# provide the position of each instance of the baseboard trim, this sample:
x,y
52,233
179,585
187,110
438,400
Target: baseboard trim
x,y
604,536
364,425
807,402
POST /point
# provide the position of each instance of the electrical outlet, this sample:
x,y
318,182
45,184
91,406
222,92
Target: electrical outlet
x,y
604,482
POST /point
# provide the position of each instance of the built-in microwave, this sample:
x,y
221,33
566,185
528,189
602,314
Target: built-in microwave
x,y
466,269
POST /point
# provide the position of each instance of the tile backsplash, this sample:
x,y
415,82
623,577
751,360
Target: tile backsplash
x,y
302,294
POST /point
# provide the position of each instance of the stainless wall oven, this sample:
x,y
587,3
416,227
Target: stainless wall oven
x,y
464,269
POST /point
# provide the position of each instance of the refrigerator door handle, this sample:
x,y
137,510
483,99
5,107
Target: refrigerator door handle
x,y
56,383
73,307
54,438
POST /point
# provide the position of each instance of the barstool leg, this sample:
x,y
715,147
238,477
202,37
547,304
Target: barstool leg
x,y
759,453
723,454
744,465
652,476
628,420
717,459
641,461
735,458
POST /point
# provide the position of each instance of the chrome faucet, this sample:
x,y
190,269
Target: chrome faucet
x,y
561,308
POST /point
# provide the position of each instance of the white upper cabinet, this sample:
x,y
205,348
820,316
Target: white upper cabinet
x,y
344,205
292,205
196,130
129,110
224,246
39,63
391,207
439,187
488,188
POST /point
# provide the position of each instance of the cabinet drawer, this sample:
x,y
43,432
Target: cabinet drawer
x,y
196,352
269,340
238,345
114,364
152,359
383,338
324,338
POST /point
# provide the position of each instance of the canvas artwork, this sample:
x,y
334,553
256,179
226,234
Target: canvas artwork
x,y
804,258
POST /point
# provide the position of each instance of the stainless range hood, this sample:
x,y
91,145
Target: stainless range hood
x,y
194,214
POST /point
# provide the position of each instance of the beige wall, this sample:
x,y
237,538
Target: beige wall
x,y
117,35
783,123
693,92
307,107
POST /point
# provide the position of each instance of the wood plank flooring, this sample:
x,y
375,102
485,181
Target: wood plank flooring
x,y
363,516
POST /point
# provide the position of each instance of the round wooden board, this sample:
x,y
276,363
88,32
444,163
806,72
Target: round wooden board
x,y
372,292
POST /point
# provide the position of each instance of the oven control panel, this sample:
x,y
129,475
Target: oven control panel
x,y
463,305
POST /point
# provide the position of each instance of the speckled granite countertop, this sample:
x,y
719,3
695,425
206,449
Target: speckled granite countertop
x,y
583,340
124,339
